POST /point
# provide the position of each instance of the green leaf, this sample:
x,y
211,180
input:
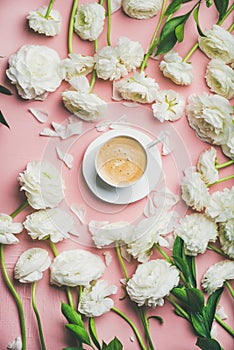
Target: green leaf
x,y
3,120
115,344
221,6
71,315
192,269
180,293
74,348
195,16
195,299
209,3
173,7
4,90
179,32
211,305
79,332
93,333
199,325
208,344
158,318
183,267
178,247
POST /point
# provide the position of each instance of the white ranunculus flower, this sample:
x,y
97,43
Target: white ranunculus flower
x,y
218,43
141,9
8,229
89,21
226,237
129,52
76,65
209,115
169,105
105,233
94,300
148,232
50,26
220,205
49,223
31,264
220,78
206,166
151,282
42,184
216,275
175,69
16,344
228,139
138,88
196,230
34,69
194,190
76,268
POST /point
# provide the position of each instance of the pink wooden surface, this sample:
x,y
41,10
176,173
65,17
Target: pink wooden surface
x,y
22,144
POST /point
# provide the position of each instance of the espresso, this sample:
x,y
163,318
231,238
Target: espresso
x,y
121,161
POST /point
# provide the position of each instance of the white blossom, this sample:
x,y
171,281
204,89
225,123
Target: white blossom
x,y
220,206
206,166
54,224
89,21
151,282
226,237
220,78
34,69
94,300
76,65
115,62
216,275
228,141
169,105
31,264
218,43
42,184
141,9
8,229
76,268
16,344
175,69
194,190
50,26
196,230
209,115
138,88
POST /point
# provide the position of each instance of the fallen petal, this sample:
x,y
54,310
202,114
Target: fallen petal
x,y
41,116
79,211
65,157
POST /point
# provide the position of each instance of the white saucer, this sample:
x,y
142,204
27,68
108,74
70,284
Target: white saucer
x,y
127,194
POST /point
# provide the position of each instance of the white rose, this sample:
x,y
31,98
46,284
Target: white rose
x,y
208,115
50,223
216,275
151,282
76,65
42,184
34,69
169,105
138,88
220,78
194,191
16,344
218,43
226,237
228,139
141,9
31,264
206,166
220,206
89,21
94,300
175,69
196,230
76,268
8,229
50,26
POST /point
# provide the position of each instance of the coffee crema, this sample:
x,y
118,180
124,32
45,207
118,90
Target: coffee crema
x,y
121,161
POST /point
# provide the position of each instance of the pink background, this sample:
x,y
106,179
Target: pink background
x,y
22,144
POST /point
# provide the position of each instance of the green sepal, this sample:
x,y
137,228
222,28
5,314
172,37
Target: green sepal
x,y
93,333
208,344
221,6
71,315
4,90
79,332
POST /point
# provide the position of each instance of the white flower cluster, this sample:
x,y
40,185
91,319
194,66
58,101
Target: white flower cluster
x,y
50,26
226,237
217,274
8,229
141,9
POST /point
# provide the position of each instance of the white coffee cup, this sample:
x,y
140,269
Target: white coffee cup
x,y
121,161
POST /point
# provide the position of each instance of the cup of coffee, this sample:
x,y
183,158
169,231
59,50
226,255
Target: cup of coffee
x,y
121,161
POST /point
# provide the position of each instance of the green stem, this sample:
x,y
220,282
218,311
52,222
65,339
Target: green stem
x,y
49,9
161,251
121,261
224,325
217,250
93,80
71,25
129,321
222,180
229,11
178,307
37,316
16,296
54,249
224,165
230,289
191,51
154,41
108,22
145,323
18,210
